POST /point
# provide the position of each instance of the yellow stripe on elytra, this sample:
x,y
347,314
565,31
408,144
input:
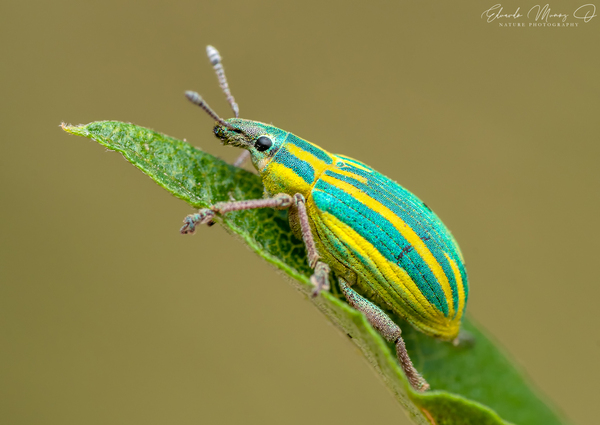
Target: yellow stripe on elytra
x,y
353,164
318,164
459,286
279,178
405,230
350,174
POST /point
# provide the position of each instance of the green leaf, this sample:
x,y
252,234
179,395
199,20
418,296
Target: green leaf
x,y
472,384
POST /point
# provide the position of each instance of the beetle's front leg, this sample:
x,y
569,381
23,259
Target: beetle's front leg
x,y
206,215
320,277
388,329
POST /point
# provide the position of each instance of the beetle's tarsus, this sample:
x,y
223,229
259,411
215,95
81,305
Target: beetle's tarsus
x,y
189,226
320,279
414,377
204,216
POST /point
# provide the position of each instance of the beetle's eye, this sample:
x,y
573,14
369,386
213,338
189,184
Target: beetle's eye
x,y
263,143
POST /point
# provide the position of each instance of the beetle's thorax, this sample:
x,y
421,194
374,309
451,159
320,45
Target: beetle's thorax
x,y
295,167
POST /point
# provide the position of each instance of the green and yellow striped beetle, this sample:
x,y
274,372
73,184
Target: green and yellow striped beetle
x,y
368,229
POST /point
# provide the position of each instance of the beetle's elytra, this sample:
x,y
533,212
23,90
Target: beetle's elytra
x,y
373,233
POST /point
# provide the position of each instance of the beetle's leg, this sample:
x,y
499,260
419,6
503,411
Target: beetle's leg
x,y
242,158
320,277
307,237
205,216
388,329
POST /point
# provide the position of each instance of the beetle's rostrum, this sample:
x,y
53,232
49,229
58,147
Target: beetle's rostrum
x,y
388,250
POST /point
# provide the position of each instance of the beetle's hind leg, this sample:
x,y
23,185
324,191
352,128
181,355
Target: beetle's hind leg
x,y
388,329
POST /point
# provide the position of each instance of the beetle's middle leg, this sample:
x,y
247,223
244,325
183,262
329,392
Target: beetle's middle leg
x,y
388,329
320,277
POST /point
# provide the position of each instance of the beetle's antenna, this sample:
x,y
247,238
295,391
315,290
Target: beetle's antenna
x,y
215,59
196,99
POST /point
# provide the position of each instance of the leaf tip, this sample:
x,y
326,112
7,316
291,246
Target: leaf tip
x,y
77,130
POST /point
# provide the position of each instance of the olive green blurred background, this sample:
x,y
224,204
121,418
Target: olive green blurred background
x,y
108,315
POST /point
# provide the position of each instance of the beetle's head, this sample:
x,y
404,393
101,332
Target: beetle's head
x,y
261,140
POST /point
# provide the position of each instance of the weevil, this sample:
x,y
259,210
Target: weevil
x,y
388,250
